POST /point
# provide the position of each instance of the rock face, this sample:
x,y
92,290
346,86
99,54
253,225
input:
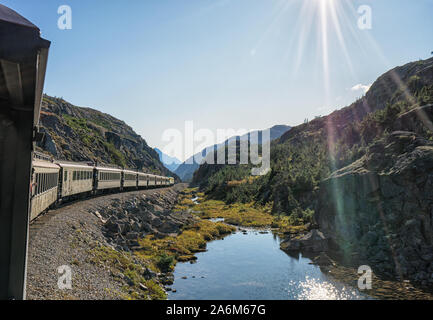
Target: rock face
x,y
83,135
379,210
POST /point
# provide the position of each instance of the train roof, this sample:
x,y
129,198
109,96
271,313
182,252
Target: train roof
x,y
44,164
130,171
108,169
10,16
73,165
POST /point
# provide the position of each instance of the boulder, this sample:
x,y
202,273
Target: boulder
x,y
314,241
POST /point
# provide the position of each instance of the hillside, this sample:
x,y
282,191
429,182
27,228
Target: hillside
x,y
186,170
364,174
83,134
331,142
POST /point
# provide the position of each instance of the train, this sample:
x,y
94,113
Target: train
x,y
55,181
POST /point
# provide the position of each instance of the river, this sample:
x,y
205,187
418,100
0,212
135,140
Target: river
x,y
251,266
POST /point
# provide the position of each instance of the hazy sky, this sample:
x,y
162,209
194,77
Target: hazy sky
x,y
224,63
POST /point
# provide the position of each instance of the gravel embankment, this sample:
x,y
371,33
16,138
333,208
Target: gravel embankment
x,y
67,235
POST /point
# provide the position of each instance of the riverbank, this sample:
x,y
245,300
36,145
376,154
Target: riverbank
x,y
134,245
120,246
248,215
237,214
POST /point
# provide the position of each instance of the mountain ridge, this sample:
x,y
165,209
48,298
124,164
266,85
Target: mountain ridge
x,y
186,170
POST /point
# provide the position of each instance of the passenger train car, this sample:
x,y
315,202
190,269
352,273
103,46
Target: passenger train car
x,y
44,187
55,181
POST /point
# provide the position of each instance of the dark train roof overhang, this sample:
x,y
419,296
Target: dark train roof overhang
x,y
23,62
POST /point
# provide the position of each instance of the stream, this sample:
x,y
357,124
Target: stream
x,y
249,265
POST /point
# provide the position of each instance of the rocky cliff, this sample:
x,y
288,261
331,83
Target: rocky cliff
x,y
379,210
83,134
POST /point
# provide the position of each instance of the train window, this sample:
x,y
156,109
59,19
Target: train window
x,y
37,184
38,180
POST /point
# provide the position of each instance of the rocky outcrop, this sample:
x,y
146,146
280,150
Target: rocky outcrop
x,y
312,242
379,210
126,222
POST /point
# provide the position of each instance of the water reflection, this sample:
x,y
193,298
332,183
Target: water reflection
x,y
250,265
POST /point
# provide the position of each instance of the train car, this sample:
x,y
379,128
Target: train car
x,y
166,181
44,186
171,181
152,180
75,179
129,179
143,179
108,178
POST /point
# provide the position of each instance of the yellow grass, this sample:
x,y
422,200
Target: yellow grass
x,y
182,247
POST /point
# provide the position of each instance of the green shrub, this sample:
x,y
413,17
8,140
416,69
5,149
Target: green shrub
x,y
165,262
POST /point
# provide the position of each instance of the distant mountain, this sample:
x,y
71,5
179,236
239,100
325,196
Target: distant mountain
x,y
83,134
171,163
186,170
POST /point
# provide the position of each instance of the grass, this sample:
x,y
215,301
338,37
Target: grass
x,y
124,263
116,156
238,214
163,254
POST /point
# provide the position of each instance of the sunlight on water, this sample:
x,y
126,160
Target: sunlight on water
x,y
251,266
315,289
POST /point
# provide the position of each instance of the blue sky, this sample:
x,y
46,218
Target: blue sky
x,y
223,63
